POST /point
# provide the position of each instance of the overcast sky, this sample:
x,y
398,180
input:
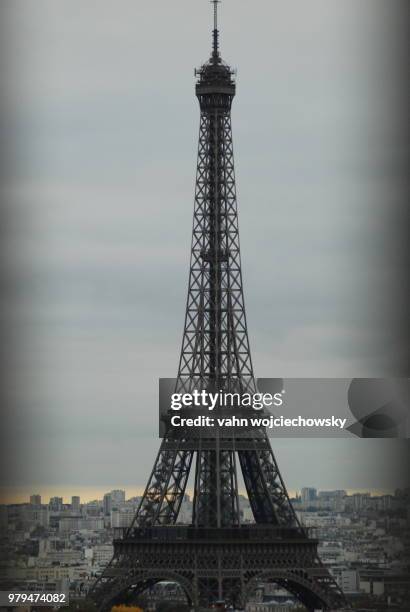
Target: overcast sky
x,y
101,127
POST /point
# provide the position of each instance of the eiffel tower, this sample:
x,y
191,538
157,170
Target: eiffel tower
x,y
216,558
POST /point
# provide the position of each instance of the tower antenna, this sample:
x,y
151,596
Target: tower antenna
x,y
215,3
215,53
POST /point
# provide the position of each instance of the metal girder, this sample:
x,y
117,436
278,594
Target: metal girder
x,y
215,568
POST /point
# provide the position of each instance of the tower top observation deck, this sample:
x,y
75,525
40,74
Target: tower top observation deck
x,y
215,77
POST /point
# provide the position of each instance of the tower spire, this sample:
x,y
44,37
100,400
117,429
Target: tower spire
x,y
215,34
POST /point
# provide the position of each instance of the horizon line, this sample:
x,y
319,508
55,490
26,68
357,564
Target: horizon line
x,y
9,495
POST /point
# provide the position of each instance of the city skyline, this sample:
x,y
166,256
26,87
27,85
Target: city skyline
x,y
362,541
89,495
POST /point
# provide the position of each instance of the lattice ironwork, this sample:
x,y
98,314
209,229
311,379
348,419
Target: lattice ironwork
x,y
215,355
218,564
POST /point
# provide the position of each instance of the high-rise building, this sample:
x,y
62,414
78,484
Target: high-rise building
x,y
55,504
360,501
35,500
308,494
107,504
75,504
117,498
